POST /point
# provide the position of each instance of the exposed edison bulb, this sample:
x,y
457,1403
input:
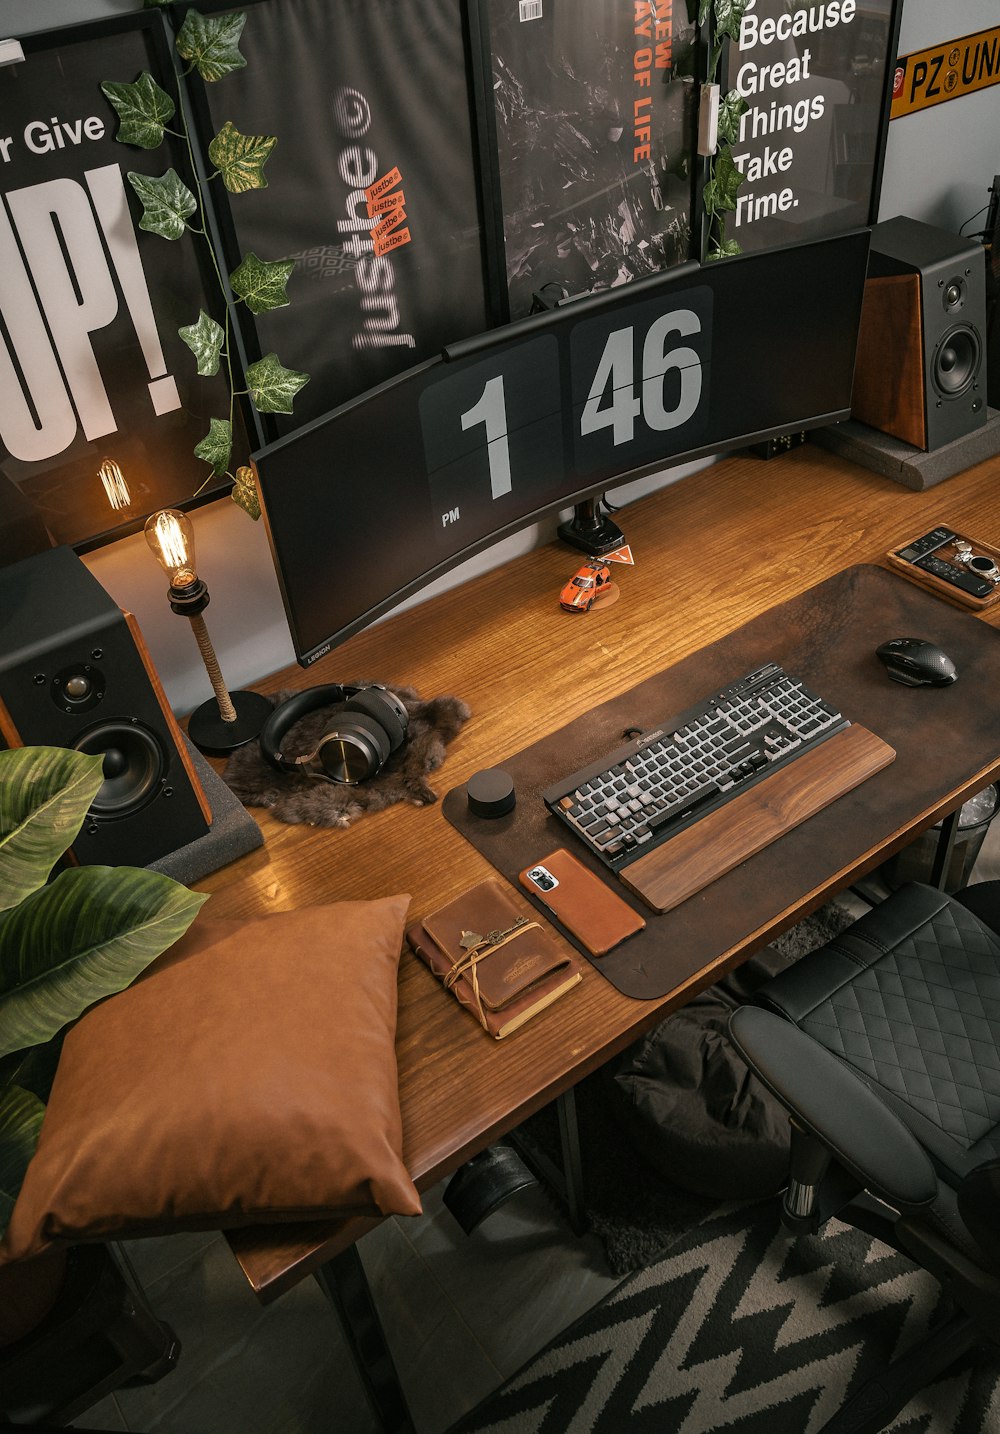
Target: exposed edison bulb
x,y
114,484
171,540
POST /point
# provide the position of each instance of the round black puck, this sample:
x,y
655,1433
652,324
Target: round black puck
x,y
491,793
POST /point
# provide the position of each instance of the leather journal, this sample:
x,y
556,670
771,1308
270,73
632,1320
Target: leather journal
x,y
496,958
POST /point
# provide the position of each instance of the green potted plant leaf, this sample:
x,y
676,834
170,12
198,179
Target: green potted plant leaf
x,y
64,943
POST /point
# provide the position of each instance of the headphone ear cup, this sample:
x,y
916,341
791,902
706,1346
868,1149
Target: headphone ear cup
x,y
375,705
348,716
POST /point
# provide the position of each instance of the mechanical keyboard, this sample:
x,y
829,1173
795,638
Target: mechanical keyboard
x,y
655,786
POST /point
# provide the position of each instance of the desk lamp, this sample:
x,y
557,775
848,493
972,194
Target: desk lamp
x,y
233,718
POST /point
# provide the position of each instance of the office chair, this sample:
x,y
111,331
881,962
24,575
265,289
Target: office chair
x,y
884,1047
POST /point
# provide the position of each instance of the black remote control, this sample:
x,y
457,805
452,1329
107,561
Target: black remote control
x,y
936,538
948,573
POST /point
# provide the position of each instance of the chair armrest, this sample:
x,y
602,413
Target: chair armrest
x,y
832,1102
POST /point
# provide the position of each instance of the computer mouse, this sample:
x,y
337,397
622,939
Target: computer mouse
x,y
916,662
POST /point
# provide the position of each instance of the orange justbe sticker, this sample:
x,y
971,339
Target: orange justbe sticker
x,y
382,186
386,235
388,224
387,204
392,241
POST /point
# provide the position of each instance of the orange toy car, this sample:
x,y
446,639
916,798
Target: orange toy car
x,y
585,587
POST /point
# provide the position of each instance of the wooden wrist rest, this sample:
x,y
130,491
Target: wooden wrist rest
x,y
719,841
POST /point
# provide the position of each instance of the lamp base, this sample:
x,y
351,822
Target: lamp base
x,y
212,735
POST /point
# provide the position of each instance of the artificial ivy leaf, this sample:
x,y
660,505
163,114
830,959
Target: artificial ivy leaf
x,y
728,177
720,191
240,158
731,109
244,493
728,15
703,10
261,285
727,249
272,387
205,340
143,110
211,43
166,203
216,446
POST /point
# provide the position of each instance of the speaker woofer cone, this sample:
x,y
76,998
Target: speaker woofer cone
x,y
957,361
134,766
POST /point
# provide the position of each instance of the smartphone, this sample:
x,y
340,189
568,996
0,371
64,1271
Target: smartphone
x,y
596,915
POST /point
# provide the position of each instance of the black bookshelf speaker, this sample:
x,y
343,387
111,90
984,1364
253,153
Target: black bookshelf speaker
x,y
921,366
75,672
991,238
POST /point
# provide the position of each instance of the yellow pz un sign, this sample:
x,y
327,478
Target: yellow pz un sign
x,y
929,77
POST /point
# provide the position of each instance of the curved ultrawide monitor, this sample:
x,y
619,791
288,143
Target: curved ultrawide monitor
x,y
373,501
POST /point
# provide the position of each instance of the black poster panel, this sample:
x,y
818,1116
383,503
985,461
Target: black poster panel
x,y
358,92
91,365
809,145
595,119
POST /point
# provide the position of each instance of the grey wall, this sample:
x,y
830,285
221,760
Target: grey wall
x,y
939,164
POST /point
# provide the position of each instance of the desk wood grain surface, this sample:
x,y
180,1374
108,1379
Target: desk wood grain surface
x,y
712,551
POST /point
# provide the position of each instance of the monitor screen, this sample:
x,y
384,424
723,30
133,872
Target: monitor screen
x,y
370,503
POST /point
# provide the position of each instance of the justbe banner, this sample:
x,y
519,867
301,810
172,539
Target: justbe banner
x,y
359,94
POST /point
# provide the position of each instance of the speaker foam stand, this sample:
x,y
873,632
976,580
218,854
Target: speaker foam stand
x,y
590,530
233,832
211,734
913,467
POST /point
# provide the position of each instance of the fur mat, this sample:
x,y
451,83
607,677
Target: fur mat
x,y
293,797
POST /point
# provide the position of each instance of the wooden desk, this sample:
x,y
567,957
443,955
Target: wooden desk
x,y
711,552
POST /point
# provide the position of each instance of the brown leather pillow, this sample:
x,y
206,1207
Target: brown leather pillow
x,y
248,1076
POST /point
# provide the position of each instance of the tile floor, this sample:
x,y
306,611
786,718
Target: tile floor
x,y
461,1313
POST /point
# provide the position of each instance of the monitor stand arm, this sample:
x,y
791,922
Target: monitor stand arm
x,y
590,530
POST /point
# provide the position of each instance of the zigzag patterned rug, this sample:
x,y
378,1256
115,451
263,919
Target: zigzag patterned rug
x,y
743,1330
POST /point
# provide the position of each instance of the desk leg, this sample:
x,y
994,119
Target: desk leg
x,y
944,849
569,1141
345,1284
566,1177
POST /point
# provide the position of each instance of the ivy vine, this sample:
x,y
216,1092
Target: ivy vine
x,y
210,45
724,178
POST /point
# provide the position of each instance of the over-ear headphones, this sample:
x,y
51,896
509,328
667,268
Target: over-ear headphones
x,y
367,725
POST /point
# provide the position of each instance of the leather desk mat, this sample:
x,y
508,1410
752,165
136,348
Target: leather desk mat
x,y
943,737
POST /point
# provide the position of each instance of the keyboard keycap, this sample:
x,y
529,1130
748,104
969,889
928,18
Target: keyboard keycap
x,y
644,792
